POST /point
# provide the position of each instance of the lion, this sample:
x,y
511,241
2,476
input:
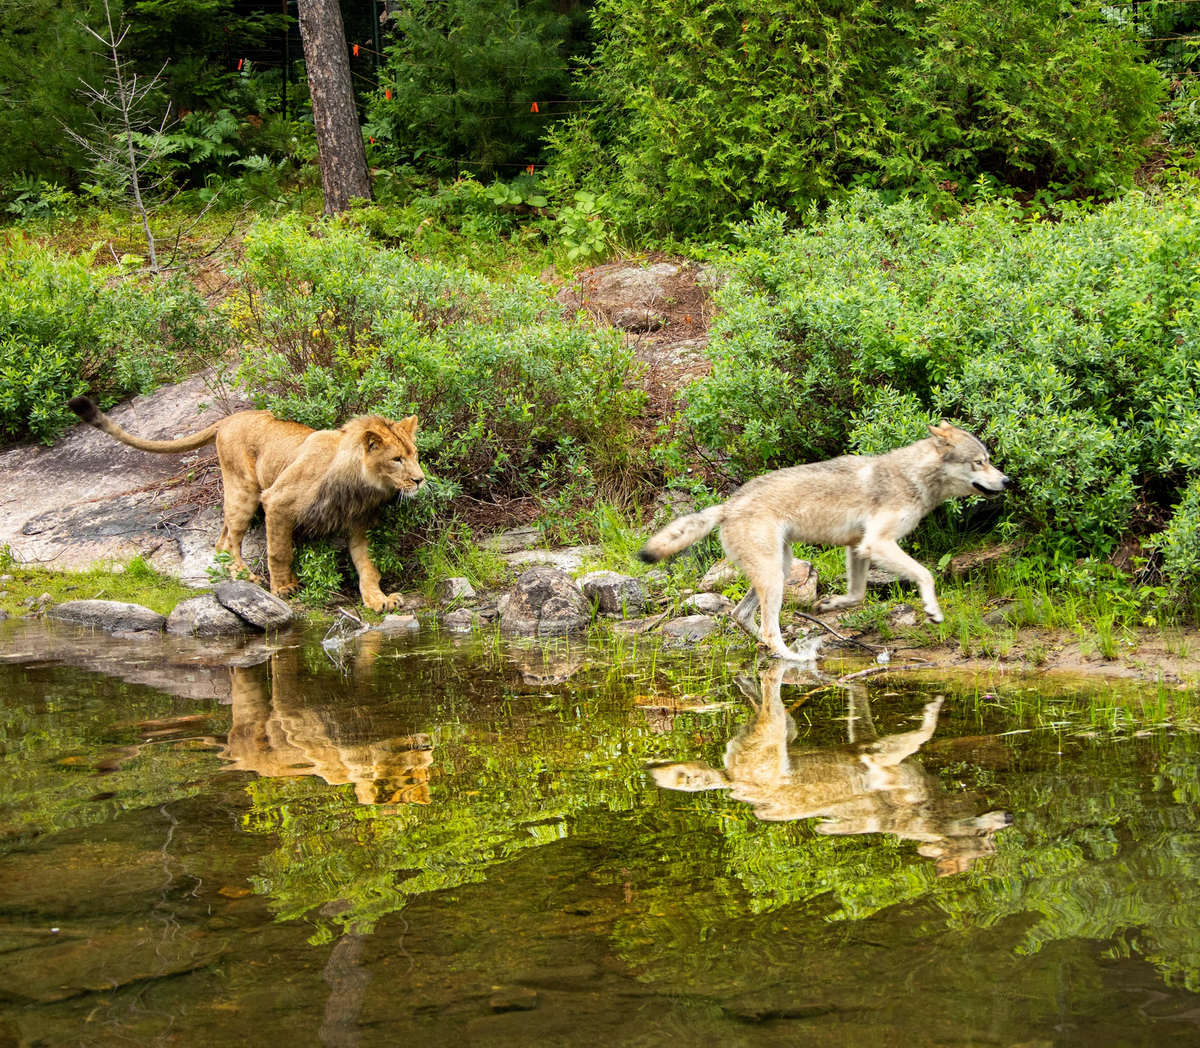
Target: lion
x,y
323,480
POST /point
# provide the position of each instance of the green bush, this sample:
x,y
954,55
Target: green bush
x,y
68,326
509,396
1072,348
713,107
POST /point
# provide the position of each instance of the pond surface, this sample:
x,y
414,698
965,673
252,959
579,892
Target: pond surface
x,y
470,841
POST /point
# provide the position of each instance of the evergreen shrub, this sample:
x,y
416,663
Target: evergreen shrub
x,y
714,107
68,327
510,397
1072,348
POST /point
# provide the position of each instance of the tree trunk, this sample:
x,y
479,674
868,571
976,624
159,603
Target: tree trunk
x,y
339,139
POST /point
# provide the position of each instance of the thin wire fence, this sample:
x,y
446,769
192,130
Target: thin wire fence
x,y
1169,29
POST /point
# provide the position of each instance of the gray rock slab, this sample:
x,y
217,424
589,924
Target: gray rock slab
x,y
398,624
205,616
254,604
614,593
110,615
689,628
545,601
52,493
569,559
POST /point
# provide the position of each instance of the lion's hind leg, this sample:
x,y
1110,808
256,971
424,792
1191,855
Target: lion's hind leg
x,y
241,502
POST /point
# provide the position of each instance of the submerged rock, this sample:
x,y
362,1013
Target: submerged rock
x,y
110,615
614,593
689,628
545,601
205,616
254,604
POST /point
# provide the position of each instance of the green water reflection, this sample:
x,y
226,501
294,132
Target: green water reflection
x,y
481,842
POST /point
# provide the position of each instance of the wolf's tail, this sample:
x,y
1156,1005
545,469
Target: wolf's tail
x,y
93,416
680,534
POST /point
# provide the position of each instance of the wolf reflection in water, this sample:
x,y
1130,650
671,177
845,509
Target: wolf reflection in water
x,y
867,786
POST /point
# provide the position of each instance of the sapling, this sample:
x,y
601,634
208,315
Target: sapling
x,y
127,141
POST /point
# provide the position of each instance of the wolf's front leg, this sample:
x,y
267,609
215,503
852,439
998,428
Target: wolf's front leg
x,y
368,575
888,554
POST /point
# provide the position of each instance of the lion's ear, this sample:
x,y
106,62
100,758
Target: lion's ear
x,y
371,440
408,425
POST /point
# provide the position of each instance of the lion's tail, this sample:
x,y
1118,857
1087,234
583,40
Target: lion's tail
x,y
680,534
93,416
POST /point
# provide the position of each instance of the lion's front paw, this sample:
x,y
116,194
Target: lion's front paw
x,y
383,601
286,589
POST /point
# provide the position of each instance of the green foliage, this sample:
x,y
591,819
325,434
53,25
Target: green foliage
x,y
1071,348
461,79
509,397
316,564
1179,543
69,327
713,108
585,234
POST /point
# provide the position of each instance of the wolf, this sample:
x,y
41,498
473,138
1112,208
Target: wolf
x,y
866,503
866,786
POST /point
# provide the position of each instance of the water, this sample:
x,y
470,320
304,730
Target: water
x,y
468,841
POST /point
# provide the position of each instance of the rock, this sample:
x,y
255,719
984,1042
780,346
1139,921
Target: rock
x,y
542,667
670,504
639,625
973,560
205,616
398,623
6,578
569,559
3,615
722,574
901,616
657,577
709,604
514,539
455,588
545,601
109,615
461,620
254,604
802,582
615,593
1029,612
689,628
881,578
626,296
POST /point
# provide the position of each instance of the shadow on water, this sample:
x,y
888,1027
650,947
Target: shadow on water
x,y
472,841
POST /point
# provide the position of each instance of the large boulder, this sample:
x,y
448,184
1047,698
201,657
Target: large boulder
x,y
614,593
629,297
545,601
205,616
111,615
254,604
709,604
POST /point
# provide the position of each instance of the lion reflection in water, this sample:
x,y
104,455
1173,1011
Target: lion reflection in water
x,y
278,732
867,786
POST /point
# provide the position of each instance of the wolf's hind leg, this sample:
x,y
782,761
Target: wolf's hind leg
x,y
743,614
856,583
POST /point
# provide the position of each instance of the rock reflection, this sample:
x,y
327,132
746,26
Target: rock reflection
x,y
867,786
279,732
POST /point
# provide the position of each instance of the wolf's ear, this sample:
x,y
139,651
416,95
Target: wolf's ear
x,y
944,433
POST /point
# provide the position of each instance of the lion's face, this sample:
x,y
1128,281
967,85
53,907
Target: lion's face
x,y
390,455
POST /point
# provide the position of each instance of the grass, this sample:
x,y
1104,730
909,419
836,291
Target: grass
x,y
135,583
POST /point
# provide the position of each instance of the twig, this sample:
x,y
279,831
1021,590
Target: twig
x,y
846,640
873,670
